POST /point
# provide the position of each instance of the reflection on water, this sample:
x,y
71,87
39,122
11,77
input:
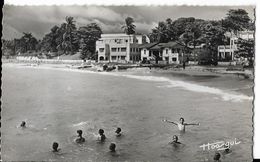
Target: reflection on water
x,y
136,104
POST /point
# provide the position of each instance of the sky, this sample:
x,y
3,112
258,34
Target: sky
x,y
40,19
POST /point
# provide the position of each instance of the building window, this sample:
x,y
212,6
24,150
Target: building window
x,y
101,58
123,49
144,51
113,57
122,57
126,40
166,51
113,49
174,59
150,53
101,49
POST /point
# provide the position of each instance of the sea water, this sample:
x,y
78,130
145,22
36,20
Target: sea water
x,y
55,103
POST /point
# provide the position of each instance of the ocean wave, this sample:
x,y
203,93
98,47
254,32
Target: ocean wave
x,y
225,95
80,124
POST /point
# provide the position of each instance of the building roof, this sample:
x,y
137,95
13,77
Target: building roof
x,y
168,45
148,45
118,35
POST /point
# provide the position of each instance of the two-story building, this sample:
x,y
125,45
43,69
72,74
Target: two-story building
x,y
120,47
165,53
227,52
146,54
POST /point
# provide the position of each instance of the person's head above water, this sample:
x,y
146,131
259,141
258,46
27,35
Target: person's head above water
x,y
112,147
227,149
182,120
79,133
175,138
101,131
217,156
55,146
23,124
118,130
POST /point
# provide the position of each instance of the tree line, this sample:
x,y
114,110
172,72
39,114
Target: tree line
x,y
68,39
193,32
64,39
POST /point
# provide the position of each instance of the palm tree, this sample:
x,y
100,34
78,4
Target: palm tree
x,y
69,37
28,42
129,27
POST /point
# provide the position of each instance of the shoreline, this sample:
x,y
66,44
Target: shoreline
x,y
189,70
200,76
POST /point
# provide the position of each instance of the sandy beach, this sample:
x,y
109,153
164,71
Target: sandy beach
x,y
218,76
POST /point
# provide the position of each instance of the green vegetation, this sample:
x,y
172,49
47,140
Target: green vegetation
x,y
129,27
194,32
67,39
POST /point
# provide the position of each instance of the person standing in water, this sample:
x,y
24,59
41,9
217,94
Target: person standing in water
x,y
181,125
102,135
55,146
112,147
217,157
175,140
118,132
23,124
80,139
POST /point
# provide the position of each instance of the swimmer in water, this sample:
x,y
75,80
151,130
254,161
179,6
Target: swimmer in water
x,y
118,132
181,125
226,150
175,140
55,146
112,147
217,157
80,139
102,136
23,124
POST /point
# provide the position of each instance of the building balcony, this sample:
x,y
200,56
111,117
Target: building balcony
x,y
118,53
227,48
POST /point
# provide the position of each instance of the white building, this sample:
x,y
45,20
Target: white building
x,y
227,52
165,53
146,54
120,47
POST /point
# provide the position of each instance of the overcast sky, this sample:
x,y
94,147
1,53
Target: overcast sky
x,y
39,19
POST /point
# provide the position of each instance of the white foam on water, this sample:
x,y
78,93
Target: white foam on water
x,y
80,124
225,95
